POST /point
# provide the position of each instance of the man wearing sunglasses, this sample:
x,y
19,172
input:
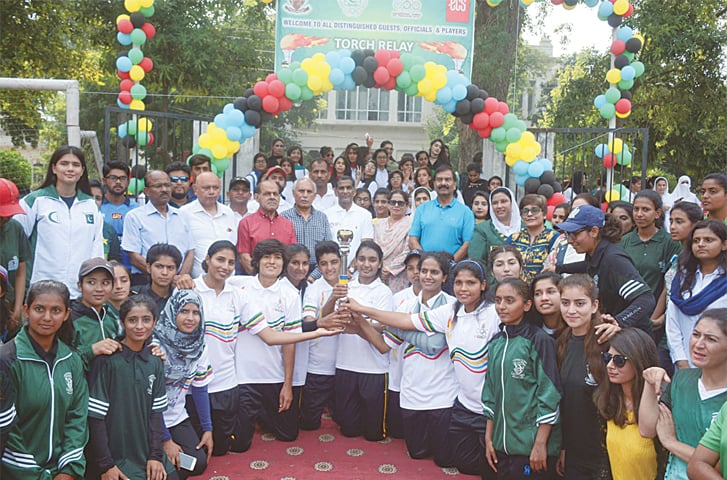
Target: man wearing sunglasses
x,y
181,176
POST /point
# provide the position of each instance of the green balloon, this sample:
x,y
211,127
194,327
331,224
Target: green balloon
x,y
622,190
136,55
498,134
629,55
138,37
206,152
222,164
285,75
624,158
138,92
300,76
607,111
521,125
625,84
306,93
293,91
412,90
213,169
613,95
142,138
147,11
131,127
403,80
417,73
136,185
639,68
513,135
501,146
510,121
407,59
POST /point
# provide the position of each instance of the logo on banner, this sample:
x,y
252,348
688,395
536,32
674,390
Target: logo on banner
x,y
458,11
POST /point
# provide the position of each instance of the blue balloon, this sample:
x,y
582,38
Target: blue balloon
x,y
444,95
247,131
459,92
602,150
624,33
234,133
336,77
347,65
605,9
228,108
123,64
535,169
234,118
123,38
520,167
220,120
333,58
122,130
450,107
591,3
520,180
455,78
547,164
628,73
600,101
348,83
121,104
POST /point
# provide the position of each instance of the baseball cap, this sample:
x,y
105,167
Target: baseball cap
x,y
239,180
413,253
92,264
583,217
274,169
9,205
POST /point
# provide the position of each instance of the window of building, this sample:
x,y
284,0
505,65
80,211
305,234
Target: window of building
x,y
409,109
362,104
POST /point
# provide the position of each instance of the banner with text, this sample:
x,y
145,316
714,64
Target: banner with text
x,y
438,30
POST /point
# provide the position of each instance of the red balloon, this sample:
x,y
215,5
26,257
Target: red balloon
x,y
623,106
497,119
125,26
390,85
630,11
146,64
618,47
125,97
395,67
503,108
491,104
271,104
271,77
394,54
551,209
485,132
556,2
480,120
150,31
151,139
126,85
285,104
261,89
556,199
381,75
123,75
609,161
383,57
277,88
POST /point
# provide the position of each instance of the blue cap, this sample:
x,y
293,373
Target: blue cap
x,y
583,217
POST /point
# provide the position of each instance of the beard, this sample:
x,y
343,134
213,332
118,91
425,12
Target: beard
x,y
178,195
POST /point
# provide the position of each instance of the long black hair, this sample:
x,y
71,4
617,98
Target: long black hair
x,y
50,177
689,264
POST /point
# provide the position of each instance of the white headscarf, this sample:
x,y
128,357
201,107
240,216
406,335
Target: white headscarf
x,y
682,192
514,226
666,197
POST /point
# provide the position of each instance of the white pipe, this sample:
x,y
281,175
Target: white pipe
x,y
72,99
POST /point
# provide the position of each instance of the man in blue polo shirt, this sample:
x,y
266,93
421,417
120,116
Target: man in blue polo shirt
x,y
443,223
116,204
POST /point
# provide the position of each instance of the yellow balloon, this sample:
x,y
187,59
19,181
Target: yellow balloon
x,y
538,149
137,105
439,80
514,151
613,196
425,87
136,73
315,83
529,153
219,151
327,85
147,3
616,145
613,75
267,1
232,147
121,17
205,141
568,7
620,7
218,136
307,64
132,5
319,58
431,96
527,137
144,124
623,115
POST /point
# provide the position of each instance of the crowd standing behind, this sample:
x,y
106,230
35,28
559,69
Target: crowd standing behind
x,y
501,336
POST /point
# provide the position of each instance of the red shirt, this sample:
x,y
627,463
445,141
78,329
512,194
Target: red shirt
x,y
258,226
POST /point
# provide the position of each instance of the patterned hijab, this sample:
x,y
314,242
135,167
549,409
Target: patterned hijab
x,y
181,349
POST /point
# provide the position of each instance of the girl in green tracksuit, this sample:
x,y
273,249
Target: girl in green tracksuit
x,y
43,393
522,391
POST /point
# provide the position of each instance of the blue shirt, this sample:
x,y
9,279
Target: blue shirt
x,y
114,216
145,226
441,227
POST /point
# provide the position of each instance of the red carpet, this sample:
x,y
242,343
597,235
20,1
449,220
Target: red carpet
x,y
325,454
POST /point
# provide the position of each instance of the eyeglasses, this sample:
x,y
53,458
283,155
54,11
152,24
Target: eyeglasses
x,y
577,232
117,178
618,360
178,179
397,203
531,211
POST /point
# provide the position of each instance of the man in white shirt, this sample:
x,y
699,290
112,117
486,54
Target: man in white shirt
x,y
381,157
348,216
325,198
240,197
208,219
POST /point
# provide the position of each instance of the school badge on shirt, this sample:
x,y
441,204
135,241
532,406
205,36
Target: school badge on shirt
x,y
89,218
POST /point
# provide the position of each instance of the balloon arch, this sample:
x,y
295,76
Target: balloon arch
x,y
391,70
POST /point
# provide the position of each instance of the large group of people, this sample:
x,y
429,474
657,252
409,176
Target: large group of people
x,y
492,333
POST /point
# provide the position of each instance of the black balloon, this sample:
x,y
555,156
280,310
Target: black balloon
x,y
368,52
633,45
265,116
547,177
463,107
138,171
626,94
128,141
477,105
467,118
531,185
614,20
359,75
370,64
571,3
369,82
621,61
240,103
546,190
557,186
483,94
358,57
252,118
123,53
254,103
473,91
249,92
137,19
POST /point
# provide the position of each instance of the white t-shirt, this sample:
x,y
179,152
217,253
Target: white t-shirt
x,y
402,303
207,229
223,315
322,350
356,219
467,338
199,375
300,369
256,361
354,353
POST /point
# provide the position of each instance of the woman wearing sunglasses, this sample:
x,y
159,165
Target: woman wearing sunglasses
x,y
624,296
534,240
679,410
391,234
631,456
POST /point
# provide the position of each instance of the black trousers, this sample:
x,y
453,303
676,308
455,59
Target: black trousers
x,y
394,425
260,401
425,433
361,404
223,409
517,467
184,435
318,393
466,443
